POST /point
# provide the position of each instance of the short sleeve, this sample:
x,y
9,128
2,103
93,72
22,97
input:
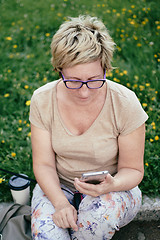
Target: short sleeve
x,y
131,115
35,117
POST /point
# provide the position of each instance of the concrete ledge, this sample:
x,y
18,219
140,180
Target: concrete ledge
x,y
150,209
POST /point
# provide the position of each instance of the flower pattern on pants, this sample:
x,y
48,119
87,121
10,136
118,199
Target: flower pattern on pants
x,y
98,217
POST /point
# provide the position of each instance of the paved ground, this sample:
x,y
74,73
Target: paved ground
x,y
139,230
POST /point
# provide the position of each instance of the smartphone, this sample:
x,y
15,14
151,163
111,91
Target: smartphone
x,y
94,177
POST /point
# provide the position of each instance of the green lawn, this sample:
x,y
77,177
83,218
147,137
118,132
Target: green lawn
x,y
26,30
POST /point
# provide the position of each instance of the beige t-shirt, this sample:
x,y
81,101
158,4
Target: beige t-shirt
x,y
97,148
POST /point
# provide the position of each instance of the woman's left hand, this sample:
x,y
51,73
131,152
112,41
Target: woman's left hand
x,y
95,190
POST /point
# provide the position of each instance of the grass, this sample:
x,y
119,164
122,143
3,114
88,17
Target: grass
x,y
26,30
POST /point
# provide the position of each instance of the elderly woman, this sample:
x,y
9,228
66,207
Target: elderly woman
x,y
84,123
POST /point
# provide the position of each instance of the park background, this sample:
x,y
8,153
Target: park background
x,y
26,30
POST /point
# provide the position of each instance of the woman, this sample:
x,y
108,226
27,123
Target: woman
x,y
79,123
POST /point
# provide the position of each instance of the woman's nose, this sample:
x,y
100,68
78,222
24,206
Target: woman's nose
x,y
84,90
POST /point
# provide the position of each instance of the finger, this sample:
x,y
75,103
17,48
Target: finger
x,y
72,218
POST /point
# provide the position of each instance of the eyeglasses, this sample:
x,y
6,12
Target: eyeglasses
x,y
77,84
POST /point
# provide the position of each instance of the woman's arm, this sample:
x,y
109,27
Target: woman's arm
x,y
130,166
44,167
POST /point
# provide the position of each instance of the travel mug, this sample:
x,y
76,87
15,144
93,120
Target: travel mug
x,y
20,189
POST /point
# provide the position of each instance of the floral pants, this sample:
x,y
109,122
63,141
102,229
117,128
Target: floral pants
x,y
98,217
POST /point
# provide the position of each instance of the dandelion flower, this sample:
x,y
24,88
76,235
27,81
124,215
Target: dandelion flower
x,y
26,86
147,164
28,103
8,38
19,129
13,154
15,46
47,34
6,95
151,139
2,180
156,138
29,134
139,45
144,104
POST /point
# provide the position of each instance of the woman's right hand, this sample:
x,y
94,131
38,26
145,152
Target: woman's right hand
x,y
65,216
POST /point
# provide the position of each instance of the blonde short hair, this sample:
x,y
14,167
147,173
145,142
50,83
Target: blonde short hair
x,y
81,40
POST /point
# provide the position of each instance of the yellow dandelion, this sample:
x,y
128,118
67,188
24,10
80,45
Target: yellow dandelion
x,y
119,49
47,34
144,104
147,164
26,86
132,22
135,85
44,79
125,72
6,95
114,10
9,38
19,129
37,27
158,27
128,84
1,180
123,9
118,14
151,140
139,45
153,123
59,14
28,125
121,74
29,134
28,103
15,46
13,154
141,87
20,121
143,22
132,6
136,77
147,84
154,127
156,138
11,56
134,16
9,70
21,28
153,98
3,141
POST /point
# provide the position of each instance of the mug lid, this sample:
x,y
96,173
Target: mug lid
x,y
18,183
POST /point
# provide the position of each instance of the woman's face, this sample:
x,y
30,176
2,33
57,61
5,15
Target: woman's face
x,y
84,72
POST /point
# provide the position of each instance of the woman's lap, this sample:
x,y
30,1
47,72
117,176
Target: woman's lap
x,y
98,218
